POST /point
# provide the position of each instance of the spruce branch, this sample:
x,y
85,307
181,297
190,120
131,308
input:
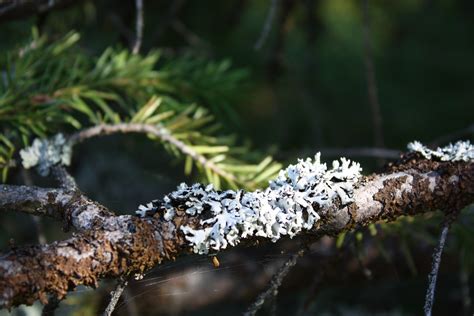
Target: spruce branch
x,y
121,88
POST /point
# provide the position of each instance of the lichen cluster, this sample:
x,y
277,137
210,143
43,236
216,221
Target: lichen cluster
x,y
291,203
460,151
46,153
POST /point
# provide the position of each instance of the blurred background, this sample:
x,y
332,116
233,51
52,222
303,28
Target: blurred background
x,y
344,77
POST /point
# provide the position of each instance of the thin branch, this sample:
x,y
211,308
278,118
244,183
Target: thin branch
x,y
138,26
371,80
115,296
267,25
430,292
73,207
272,290
158,131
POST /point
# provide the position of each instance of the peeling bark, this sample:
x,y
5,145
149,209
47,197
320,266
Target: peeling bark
x,y
111,246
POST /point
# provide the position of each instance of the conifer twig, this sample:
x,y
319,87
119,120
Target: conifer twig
x,y
275,283
115,296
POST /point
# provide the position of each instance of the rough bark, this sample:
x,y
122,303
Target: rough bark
x,y
111,246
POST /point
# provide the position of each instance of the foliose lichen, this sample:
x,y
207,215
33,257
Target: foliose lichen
x,y
293,202
460,151
46,153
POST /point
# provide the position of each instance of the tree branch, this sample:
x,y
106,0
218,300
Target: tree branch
x,y
73,207
116,246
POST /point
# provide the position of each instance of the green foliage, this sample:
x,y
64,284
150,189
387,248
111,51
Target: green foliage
x,y
50,87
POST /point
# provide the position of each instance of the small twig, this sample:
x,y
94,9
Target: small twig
x,y
275,283
115,296
66,181
267,25
138,26
371,80
430,292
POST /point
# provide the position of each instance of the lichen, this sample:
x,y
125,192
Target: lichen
x,y
46,153
293,202
460,151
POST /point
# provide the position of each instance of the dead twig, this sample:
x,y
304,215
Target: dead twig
x,y
432,277
272,290
267,26
115,296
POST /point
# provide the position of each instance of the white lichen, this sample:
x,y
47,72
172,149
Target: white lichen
x,y
292,203
460,151
71,252
46,153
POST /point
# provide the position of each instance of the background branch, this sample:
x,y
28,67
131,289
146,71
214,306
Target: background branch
x,y
272,290
138,26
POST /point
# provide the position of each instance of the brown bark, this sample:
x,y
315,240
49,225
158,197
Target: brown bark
x,y
112,246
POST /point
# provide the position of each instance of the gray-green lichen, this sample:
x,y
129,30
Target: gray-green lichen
x,y
46,153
